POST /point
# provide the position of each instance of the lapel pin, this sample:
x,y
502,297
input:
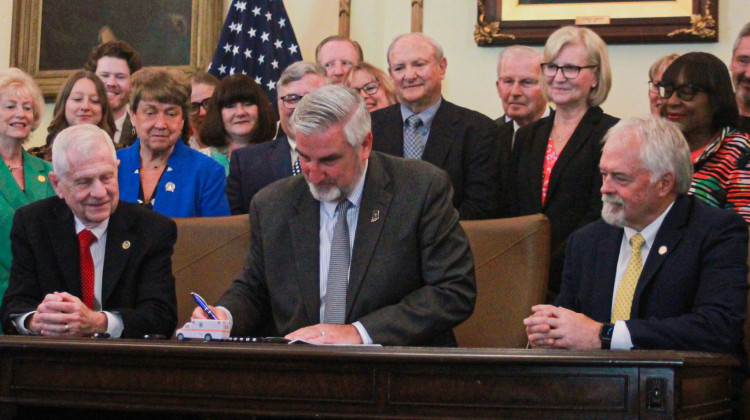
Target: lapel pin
x,y
170,186
41,178
375,216
126,245
662,250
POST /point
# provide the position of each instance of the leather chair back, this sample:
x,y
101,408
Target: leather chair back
x,y
511,258
208,256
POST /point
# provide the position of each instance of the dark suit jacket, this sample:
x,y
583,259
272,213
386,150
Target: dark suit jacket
x,y
573,193
412,272
693,296
128,136
253,167
463,143
137,279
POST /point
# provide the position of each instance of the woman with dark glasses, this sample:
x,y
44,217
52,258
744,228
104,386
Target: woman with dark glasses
x,y
698,96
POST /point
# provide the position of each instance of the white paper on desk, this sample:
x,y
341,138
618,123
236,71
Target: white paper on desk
x,y
313,343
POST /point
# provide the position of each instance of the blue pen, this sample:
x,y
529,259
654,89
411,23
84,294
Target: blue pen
x,y
202,303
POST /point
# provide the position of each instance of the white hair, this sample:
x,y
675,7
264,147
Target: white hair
x,y
84,139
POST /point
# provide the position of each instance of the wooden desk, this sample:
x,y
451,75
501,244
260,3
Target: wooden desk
x,y
393,382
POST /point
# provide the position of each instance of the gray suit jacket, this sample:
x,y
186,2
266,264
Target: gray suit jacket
x,y
412,272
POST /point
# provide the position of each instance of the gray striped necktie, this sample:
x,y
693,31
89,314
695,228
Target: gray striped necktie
x,y
413,146
338,269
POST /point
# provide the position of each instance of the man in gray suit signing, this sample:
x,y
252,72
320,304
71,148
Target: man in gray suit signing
x,y
396,269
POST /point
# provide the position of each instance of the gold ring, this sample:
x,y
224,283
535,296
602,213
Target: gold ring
x,y
66,328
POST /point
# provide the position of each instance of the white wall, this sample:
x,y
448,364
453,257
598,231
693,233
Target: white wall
x,y
470,79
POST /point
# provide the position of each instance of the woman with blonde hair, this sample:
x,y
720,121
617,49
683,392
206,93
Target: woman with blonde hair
x,y
555,164
23,177
375,87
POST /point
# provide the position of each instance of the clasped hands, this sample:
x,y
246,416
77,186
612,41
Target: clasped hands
x,y
320,333
554,327
62,314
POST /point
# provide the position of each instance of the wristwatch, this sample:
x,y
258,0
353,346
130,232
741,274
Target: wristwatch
x,y
605,334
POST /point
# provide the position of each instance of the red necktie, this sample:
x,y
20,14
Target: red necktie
x,y
85,239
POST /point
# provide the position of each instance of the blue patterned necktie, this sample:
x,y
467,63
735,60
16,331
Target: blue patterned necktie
x,y
296,169
338,269
413,146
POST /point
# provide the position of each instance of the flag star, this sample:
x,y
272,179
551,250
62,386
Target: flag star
x,y
268,16
231,71
235,50
293,49
265,36
248,53
256,11
239,27
251,32
232,27
271,85
240,5
227,47
275,64
278,43
282,22
258,80
244,72
261,59
222,69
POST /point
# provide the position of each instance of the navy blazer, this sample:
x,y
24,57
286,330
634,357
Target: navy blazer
x,y
692,293
463,143
253,167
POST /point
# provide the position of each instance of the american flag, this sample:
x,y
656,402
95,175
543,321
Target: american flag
x,y
258,40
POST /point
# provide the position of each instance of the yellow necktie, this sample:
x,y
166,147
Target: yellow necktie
x,y
624,296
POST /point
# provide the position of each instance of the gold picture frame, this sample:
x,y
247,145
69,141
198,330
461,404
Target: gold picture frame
x,y
505,22
205,27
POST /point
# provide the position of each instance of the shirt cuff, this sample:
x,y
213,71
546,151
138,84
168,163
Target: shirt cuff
x,y
621,337
114,324
363,333
20,322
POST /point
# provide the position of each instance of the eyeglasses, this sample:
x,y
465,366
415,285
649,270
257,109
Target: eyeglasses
x,y
569,71
653,86
684,92
291,101
195,107
370,88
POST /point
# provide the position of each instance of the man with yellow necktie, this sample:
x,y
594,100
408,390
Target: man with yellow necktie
x,y
661,270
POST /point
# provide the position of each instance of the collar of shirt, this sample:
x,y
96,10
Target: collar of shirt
x,y
426,116
98,231
355,196
120,121
648,233
292,148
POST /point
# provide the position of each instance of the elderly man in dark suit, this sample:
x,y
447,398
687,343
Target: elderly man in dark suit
x,y
662,270
365,248
424,126
252,168
83,262
520,90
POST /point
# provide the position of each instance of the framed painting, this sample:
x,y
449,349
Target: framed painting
x,y
530,22
53,38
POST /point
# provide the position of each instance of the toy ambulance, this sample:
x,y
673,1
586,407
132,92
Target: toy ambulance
x,y
207,329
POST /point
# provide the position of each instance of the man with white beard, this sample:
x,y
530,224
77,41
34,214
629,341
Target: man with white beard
x,y
662,270
363,248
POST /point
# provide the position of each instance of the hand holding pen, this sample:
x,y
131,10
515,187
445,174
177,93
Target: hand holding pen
x,y
204,311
